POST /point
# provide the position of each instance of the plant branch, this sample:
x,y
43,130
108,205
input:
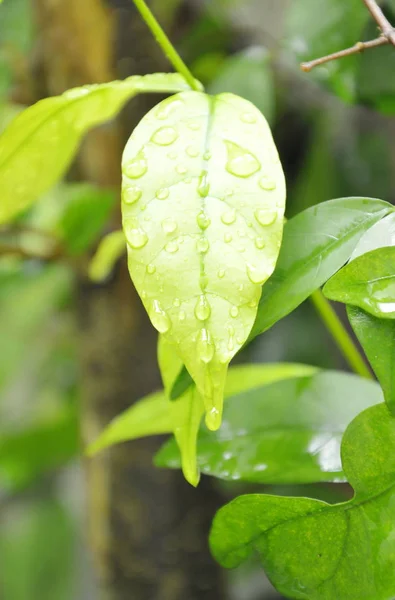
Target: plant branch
x,y
356,49
340,334
387,37
166,44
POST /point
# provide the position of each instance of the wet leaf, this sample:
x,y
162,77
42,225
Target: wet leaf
x,y
377,338
203,204
110,250
367,282
39,144
283,433
316,244
317,551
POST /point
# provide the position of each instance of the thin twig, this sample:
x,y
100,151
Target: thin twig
x,y
356,49
385,26
387,37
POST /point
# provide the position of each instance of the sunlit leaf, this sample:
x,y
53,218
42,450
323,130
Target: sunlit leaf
x,y
367,282
110,250
317,551
203,204
38,145
379,235
286,432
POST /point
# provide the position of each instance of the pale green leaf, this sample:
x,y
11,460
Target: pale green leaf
x,y
110,250
203,204
381,234
38,145
317,551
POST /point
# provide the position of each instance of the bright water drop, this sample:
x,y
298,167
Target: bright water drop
x,y
241,162
205,346
257,275
136,237
202,308
267,183
228,238
203,185
137,167
162,193
169,226
151,269
171,247
159,317
176,302
164,136
202,245
192,151
202,220
266,217
234,311
131,194
229,217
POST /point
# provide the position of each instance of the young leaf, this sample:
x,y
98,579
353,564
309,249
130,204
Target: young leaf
x,y
110,249
39,144
367,282
377,338
316,244
317,551
203,203
290,432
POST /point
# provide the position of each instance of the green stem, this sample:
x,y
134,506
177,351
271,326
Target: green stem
x,y
166,44
340,334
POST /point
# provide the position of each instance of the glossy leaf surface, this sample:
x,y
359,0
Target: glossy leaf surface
x,y
286,432
367,282
316,243
317,551
39,144
203,204
109,251
377,338
381,234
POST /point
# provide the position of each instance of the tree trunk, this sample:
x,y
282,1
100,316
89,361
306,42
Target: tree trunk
x,y
148,528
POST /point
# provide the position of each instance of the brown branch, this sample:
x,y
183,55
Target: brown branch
x,y
356,49
387,37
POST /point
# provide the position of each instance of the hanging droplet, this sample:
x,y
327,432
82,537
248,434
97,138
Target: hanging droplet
x,y
202,308
176,302
136,237
192,151
203,282
159,318
259,243
266,217
151,269
131,194
205,346
248,117
169,226
171,247
164,136
162,193
202,245
137,167
227,238
256,275
241,163
267,183
234,311
228,217
203,185
221,273
202,220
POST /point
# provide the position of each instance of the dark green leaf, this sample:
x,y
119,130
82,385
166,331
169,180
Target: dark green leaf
x,y
377,337
316,243
286,432
317,551
367,282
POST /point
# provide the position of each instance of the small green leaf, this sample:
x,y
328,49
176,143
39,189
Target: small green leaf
x,y
203,203
316,244
290,432
377,338
110,250
367,282
248,74
148,416
39,144
317,551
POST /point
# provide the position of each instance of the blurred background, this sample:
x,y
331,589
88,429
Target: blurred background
x,y
74,354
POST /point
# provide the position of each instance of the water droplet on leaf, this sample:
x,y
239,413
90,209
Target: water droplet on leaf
x,y
202,220
151,269
241,162
228,217
169,226
256,274
136,237
171,247
162,193
192,151
248,117
165,136
205,346
202,308
234,311
267,183
159,317
203,185
202,245
131,194
137,167
266,217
